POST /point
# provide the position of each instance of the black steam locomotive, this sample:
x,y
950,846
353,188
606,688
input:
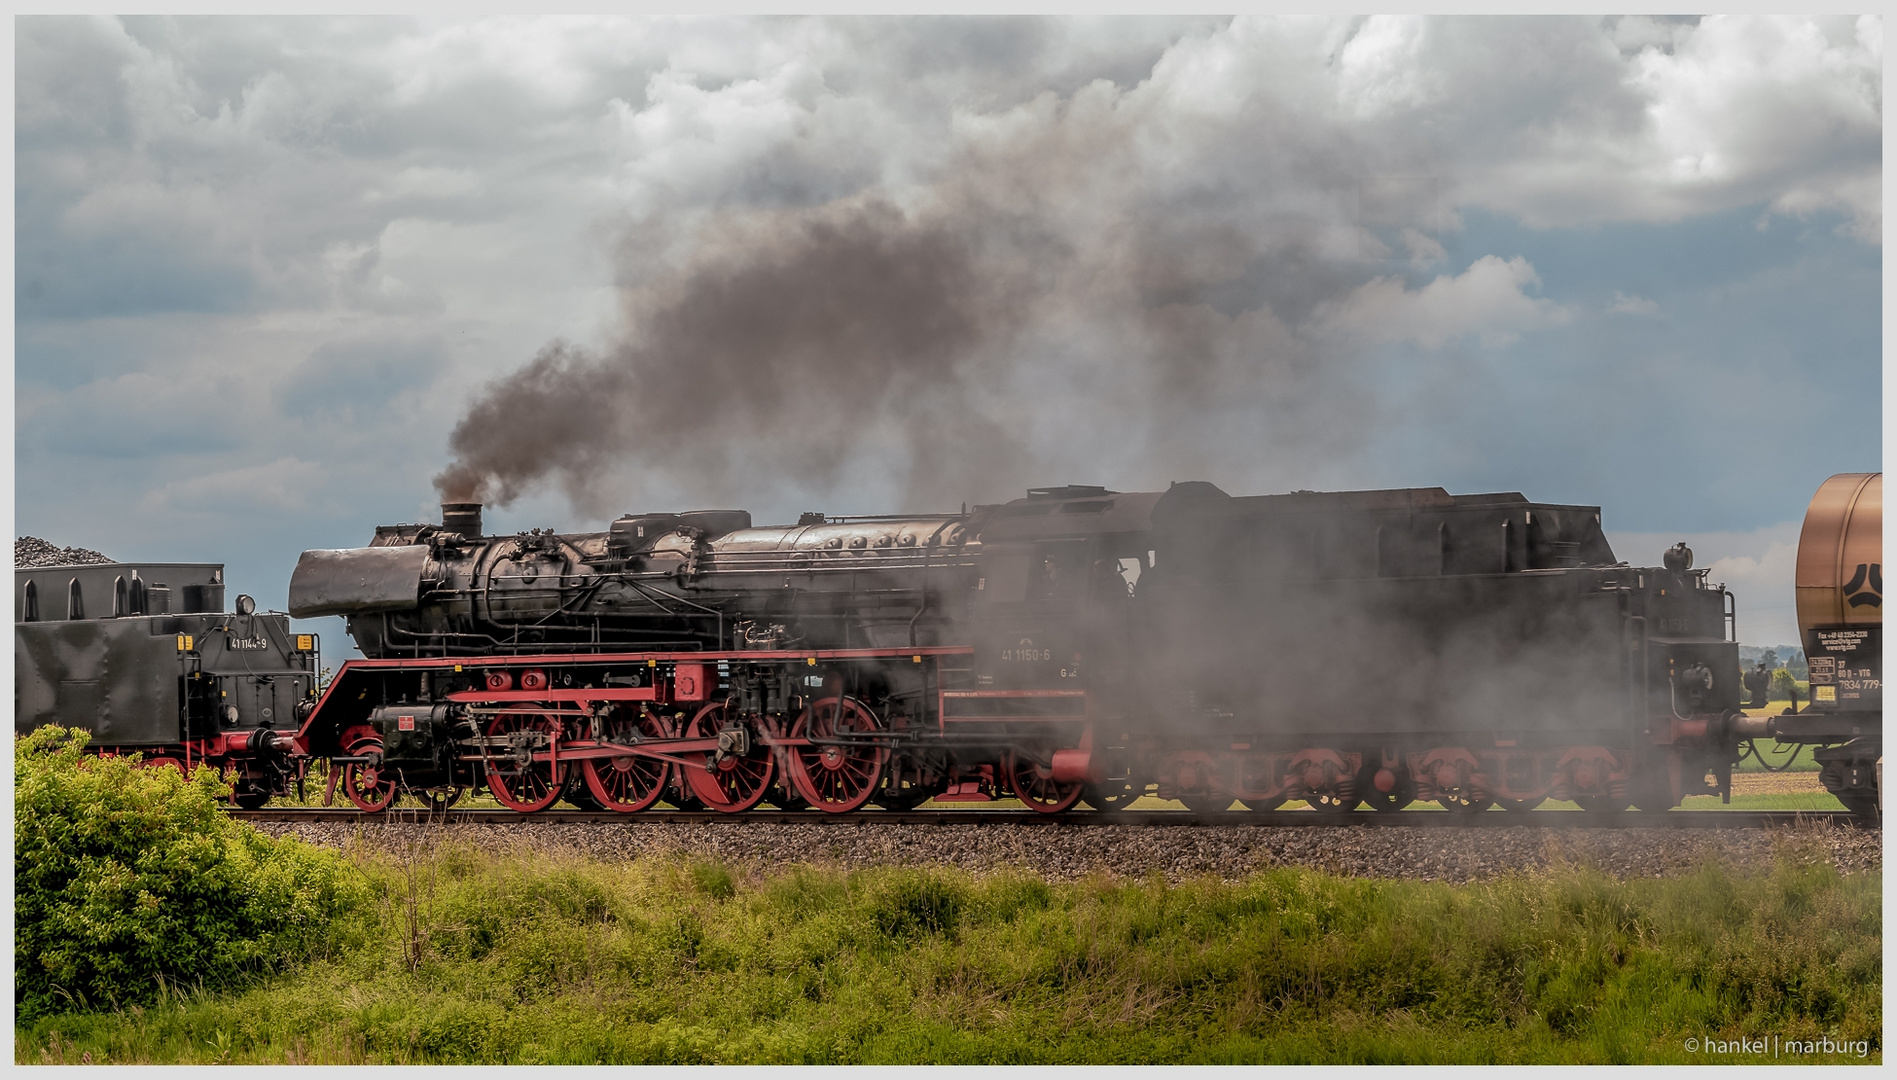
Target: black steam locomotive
x,y
1342,648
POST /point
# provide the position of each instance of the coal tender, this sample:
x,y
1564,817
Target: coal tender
x,y
145,657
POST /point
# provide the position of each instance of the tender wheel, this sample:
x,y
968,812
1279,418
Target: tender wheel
x,y
734,782
631,783
836,778
1207,804
1332,804
1034,784
1112,795
163,762
515,779
1520,806
1262,806
368,784
1600,804
1401,794
1464,803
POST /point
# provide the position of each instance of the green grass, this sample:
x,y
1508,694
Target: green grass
x,y
561,959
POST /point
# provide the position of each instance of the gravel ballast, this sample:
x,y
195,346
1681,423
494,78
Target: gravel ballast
x,y
1174,852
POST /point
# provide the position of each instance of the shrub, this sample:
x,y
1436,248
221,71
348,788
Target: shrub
x,y
127,880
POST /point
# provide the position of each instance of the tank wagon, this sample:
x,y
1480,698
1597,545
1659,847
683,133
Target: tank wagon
x,y
1076,644
1840,585
145,657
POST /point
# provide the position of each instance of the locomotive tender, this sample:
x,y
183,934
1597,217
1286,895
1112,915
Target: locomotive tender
x,y
1079,643
144,657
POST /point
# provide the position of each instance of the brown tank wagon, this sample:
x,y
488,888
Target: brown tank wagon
x,y
1840,585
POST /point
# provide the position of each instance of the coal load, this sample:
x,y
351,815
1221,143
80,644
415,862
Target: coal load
x,y
32,551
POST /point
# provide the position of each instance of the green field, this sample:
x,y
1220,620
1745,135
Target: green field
x,y
456,958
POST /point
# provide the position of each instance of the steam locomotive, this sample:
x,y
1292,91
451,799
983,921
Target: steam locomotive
x,y
1339,648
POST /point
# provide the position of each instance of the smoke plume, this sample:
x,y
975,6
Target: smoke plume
x,y
1107,288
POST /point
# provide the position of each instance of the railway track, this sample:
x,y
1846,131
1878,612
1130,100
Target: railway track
x,y
1540,819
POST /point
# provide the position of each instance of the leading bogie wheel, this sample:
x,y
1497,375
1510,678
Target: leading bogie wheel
x,y
630,783
728,782
366,783
839,770
515,779
250,800
1031,777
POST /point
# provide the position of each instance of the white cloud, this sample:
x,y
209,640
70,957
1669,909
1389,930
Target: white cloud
x,y
1624,304
1488,301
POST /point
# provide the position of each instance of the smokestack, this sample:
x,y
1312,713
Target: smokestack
x,y
461,517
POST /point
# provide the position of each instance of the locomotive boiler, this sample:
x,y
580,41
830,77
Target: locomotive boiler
x,y
1079,643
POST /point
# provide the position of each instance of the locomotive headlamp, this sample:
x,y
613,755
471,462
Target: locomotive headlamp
x,y
246,605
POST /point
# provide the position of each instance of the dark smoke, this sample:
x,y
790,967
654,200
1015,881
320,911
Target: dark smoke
x,y
788,341
1059,310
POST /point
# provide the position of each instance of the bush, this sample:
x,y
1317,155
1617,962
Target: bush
x,y
127,880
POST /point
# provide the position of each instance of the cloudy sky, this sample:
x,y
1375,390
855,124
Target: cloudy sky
x,y
281,280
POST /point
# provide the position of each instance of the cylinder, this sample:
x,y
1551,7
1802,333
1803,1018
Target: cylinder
x,y
463,518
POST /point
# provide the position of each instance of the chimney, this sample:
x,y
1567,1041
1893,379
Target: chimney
x,y
462,517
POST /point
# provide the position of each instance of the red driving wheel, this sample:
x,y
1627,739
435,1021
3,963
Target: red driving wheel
x,y
515,779
836,776
631,783
730,782
1032,778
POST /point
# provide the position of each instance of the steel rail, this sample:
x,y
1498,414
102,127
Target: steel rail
x,y
1428,819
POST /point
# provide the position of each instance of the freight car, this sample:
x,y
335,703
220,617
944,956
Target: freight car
x,y
1337,648
144,657
1840,583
